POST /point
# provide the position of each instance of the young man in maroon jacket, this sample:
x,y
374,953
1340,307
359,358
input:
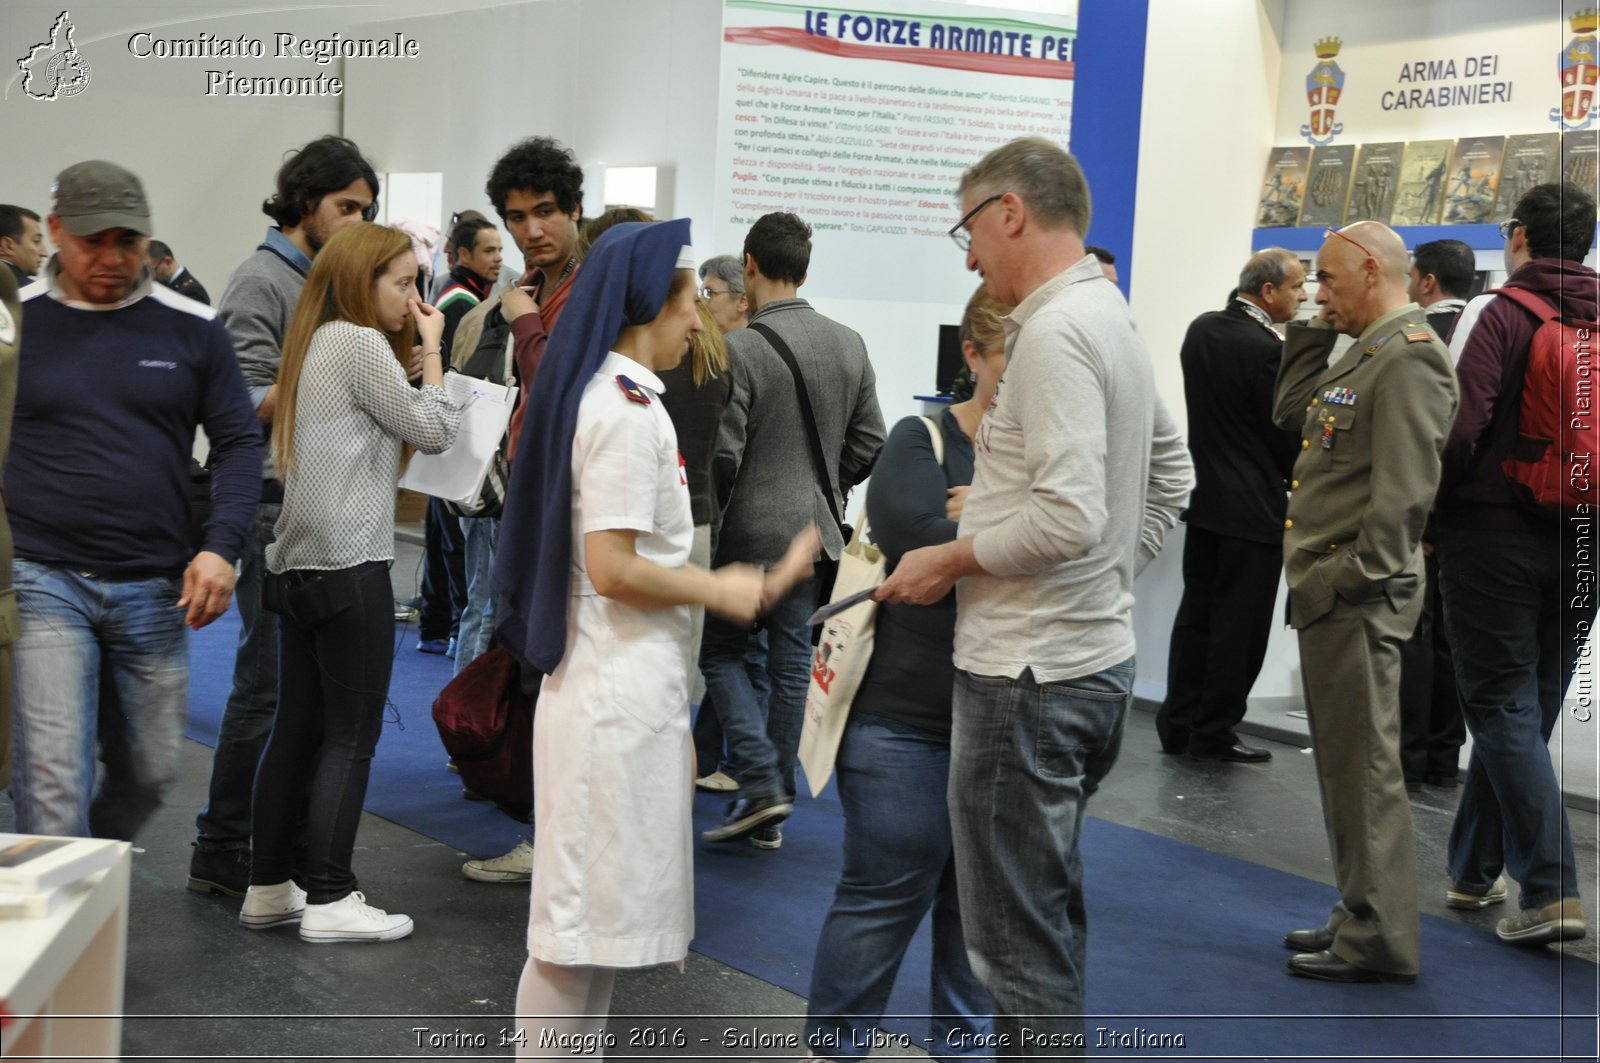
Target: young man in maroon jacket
x,y
1516,635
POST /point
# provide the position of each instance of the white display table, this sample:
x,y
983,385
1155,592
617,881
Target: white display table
x,y
66,964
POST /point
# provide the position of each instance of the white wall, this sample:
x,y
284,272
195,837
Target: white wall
x,y
1205,131
206,162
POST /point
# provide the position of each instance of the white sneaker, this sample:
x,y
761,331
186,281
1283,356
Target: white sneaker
x,y
719,782
351,918
267,906
515,866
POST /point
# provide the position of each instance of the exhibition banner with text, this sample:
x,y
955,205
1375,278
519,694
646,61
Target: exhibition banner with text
x,y
861,121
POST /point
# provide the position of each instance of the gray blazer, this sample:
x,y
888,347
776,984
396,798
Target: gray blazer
x,y
765,481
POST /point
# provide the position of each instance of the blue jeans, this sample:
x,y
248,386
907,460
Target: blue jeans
x,y
762,745
708,736
74,626
477,619
1516,639
897,865
246,720
1024,761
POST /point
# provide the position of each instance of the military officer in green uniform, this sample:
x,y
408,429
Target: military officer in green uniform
x,y
1372,427
10,339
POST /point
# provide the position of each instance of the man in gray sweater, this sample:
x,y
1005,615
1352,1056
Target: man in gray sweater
x,y
321,188
1080,472
769,486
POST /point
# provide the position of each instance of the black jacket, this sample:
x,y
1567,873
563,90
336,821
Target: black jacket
x,y
185,284
1242,460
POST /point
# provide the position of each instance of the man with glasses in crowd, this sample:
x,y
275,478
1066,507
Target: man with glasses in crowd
x,y
1515,608
1080,473
1372,428
722,287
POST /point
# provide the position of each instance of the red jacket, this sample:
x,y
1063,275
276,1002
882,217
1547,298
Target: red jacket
x,y
1490,344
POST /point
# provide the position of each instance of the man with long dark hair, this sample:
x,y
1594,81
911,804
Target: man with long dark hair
x,y
320,189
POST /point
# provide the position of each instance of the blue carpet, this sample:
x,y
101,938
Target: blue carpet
x,y
1183,941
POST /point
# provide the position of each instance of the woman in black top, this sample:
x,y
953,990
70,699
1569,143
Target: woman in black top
x,y
894,759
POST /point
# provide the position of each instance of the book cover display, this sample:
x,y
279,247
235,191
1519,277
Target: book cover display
x,y
1474,179
1284,188
1580,158
1328,184
1531,159
1420,197
1372,190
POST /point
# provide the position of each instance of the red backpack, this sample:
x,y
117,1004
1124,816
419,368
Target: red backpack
x,y
1552,461
485,721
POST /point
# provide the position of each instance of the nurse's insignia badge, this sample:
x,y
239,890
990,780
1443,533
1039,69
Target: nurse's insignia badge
x,y
634,392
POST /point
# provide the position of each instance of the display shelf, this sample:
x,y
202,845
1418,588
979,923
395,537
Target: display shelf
x,y
61,975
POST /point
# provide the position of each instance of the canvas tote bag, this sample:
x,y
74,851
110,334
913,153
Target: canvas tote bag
x,y
840,659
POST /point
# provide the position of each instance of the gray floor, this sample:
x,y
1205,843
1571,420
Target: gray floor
x,y
200,987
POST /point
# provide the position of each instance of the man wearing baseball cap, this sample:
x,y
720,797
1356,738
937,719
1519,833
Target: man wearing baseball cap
x,y
115,375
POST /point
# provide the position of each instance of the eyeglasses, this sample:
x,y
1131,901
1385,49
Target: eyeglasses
x,y
959,231
1507,227
707,293
1331,231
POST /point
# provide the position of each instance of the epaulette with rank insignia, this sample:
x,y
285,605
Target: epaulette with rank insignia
x,y
1417,333
634,392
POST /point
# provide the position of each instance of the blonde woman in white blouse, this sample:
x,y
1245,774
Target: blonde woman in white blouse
x,y
346,421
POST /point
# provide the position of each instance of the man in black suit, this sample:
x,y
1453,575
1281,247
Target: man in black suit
x,y
1432,729
167,270
1233,550
1442,272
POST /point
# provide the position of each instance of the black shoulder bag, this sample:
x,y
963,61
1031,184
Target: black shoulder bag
x,y
826,568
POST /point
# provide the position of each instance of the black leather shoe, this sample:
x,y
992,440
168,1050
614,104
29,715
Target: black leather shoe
x,y
1238,753
225,871
1309,940
1327,967
1445,782
748,813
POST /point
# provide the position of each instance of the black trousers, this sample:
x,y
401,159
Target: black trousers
x,y
333,685
444,574
1219,639
1432,727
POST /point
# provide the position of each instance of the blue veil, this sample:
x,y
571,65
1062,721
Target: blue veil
x,y
624,280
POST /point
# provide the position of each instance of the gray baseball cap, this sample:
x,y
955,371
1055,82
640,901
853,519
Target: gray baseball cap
x,y
91,197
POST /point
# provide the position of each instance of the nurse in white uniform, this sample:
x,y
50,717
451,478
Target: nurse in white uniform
x,y
613,759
